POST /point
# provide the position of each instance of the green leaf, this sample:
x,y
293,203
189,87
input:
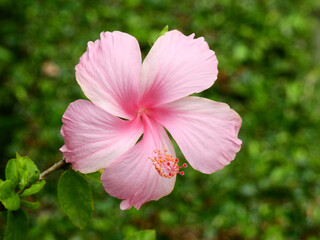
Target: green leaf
x,y
17,225
75,198
31,205
33,189
94,176
143,235
163,31
12,202
28,171
12,171
8,197
23,172
6,189
33,171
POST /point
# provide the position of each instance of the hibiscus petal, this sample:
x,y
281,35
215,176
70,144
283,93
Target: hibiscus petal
x,y
133,177
176,66
109,73
206,131
95,138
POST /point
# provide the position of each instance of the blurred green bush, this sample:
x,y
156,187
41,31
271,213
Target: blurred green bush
x,y
268,54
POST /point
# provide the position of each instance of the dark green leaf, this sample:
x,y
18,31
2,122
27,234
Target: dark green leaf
x,y
143,235
94,176
33,189
75,198
12,171
31,205
17,225
11,202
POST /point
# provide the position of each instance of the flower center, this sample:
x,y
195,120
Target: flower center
x,y
142,111
166,165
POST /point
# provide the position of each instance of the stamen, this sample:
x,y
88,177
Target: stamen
x,y
165,164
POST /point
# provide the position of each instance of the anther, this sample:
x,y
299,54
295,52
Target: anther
x,y
165,164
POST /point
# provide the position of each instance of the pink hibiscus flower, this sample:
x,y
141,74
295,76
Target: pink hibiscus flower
x,y
130,99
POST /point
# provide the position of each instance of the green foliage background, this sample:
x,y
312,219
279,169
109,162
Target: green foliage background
x,y
268,52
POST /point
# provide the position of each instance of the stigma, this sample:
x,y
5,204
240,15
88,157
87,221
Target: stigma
x,y
166,165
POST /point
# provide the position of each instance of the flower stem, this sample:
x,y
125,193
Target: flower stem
x,y
61,164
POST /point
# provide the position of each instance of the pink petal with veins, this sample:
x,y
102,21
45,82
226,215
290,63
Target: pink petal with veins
x,y
176,66
109,73
94,138
206,131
